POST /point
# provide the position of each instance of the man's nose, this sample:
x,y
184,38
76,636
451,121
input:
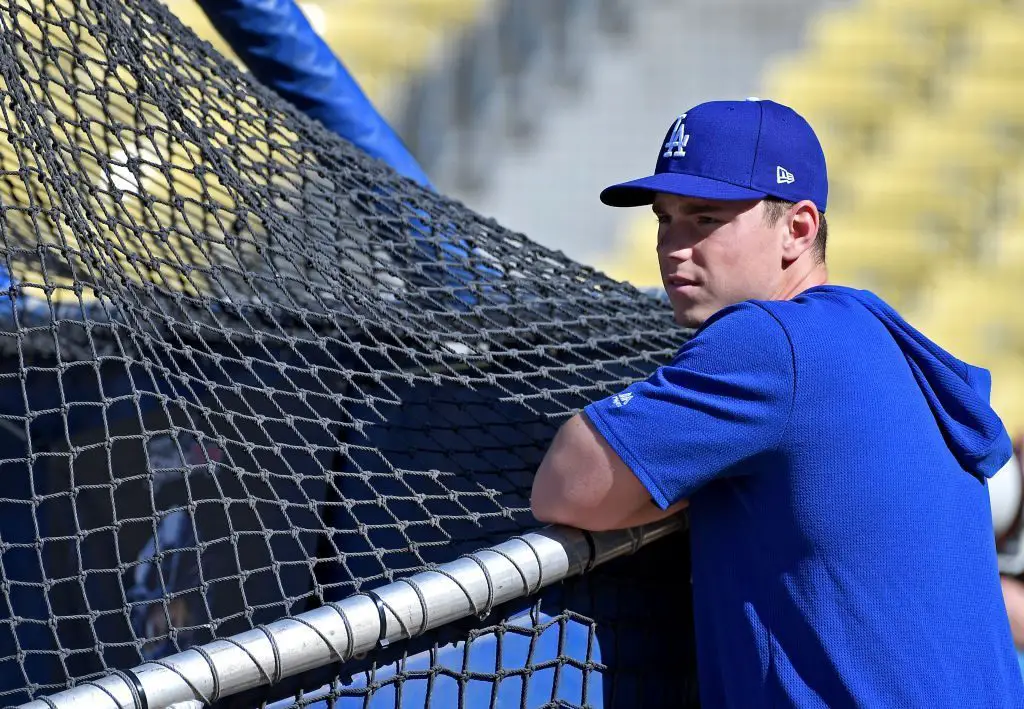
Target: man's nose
x,y
677,252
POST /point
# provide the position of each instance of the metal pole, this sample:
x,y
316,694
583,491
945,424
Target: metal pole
x,y
336,632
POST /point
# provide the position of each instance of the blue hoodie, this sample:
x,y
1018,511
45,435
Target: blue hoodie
x,y
836,462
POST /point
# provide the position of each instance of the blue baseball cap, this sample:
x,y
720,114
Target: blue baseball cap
x,y
733,150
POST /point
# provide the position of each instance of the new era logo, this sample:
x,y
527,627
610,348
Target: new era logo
x,y
784,176
621,400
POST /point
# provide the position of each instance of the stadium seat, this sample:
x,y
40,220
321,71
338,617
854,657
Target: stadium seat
x,y
1003,113
399,34
942,18
977,307
634,258
891,262
957,338
993,41
1008,392
1007,248
944,141
443,13
367,37
892,195
851,39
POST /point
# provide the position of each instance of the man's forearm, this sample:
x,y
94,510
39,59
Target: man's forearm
x,y
583,483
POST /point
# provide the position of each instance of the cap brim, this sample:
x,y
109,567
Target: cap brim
x,y
640,192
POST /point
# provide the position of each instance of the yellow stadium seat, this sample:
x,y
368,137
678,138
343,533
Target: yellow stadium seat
x,y
1006,247
801,82
443,12
888,195
941,17
435,16
375,40
920,178
995,41
963,339
850,39
893,263
987,102
937,173
979,307
956,337
634,258
925,142
1008,392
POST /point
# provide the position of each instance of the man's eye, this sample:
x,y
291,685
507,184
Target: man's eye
x,y
662,218
706,221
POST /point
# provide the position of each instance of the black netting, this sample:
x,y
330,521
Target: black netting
x,y
245,369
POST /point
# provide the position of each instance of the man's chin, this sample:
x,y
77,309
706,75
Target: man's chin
x,y
689,317
688,313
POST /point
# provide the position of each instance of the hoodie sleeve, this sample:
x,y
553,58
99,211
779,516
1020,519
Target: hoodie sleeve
x,y
725,398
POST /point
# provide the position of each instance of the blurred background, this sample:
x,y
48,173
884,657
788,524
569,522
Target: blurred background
x,y
525,109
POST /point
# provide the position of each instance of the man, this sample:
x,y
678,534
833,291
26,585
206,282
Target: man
x,y
832,459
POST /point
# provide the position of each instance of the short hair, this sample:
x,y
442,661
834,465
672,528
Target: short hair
x,y
775,208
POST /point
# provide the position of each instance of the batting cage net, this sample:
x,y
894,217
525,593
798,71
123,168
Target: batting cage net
x,y
247,371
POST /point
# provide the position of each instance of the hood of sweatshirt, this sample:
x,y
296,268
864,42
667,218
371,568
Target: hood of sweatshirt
x,y
958,393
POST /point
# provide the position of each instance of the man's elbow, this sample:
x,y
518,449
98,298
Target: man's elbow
x,y
566,517
574,485
545,512
550,510
559,511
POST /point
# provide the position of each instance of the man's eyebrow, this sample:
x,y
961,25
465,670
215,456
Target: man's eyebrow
x,y
702,208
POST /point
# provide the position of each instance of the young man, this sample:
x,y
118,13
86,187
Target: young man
x,y
832,459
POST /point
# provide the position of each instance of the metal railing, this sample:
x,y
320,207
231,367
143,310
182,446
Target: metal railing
x,y
338,632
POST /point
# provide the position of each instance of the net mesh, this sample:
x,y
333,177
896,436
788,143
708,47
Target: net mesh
x,y
245,370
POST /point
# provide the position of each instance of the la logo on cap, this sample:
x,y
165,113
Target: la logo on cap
x,y
675,146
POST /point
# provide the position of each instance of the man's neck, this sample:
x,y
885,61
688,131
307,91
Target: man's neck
x,y
814,275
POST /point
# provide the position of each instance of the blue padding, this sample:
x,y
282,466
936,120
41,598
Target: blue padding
x,y
443,689
627,642
277,44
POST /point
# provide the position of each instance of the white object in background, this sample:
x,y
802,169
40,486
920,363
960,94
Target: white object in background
x,y
1006,495
1004,490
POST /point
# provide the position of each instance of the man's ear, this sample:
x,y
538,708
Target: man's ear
x,y
802,230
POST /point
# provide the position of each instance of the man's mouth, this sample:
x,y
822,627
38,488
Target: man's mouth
x,y
679,282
